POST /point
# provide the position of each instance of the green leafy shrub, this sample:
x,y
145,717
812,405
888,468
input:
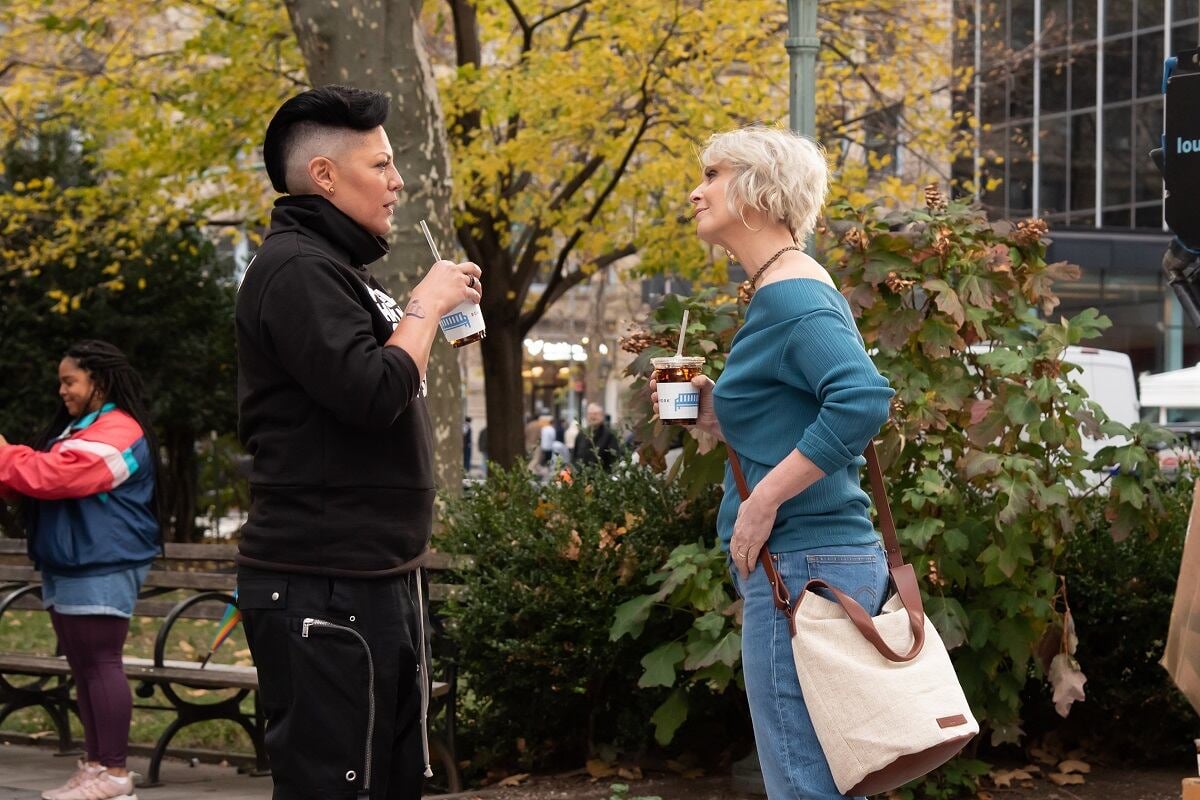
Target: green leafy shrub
x,y
986,469
544,685
1121,593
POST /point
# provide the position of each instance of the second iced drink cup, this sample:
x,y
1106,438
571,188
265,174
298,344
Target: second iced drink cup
x,y
678,399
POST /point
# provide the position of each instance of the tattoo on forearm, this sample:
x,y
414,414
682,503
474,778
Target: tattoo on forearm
x,y
415,309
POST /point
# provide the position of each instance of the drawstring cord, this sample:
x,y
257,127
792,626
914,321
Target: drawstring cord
x,y
424,662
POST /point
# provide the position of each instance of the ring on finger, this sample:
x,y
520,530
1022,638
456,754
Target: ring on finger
x,y
471,282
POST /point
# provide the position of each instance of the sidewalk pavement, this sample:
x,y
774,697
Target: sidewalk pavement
x,y
26,772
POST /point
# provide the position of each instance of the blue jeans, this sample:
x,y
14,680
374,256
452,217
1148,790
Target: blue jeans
x,y
793,764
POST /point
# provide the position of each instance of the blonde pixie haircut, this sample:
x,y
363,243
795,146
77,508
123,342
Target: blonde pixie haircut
x,y
775,171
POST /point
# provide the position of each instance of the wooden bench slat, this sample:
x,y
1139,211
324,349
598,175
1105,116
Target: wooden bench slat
x,y
9,572
185,551
201,552
25,664
177,579
438,592
184,673
144,608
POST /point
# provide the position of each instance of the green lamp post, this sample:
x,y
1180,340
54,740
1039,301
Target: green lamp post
x,y
802,46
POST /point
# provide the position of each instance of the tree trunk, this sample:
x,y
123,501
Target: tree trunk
x,y
377,44
597,333
181,485
10,522
502,357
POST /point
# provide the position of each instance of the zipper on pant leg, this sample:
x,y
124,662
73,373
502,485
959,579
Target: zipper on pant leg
x,y
312,622
423,666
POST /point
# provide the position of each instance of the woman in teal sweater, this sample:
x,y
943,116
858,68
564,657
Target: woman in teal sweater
x,y
798,401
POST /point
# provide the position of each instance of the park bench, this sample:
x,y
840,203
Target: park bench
x,y
206,575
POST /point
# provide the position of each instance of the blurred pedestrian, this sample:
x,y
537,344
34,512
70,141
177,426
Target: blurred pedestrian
x,y
546,440
467,444
483,449
533,436
571,434
597,444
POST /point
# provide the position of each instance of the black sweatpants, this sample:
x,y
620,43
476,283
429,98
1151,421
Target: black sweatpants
x,y
339,683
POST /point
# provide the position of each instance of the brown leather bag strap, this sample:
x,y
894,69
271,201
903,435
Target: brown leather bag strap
x,y
906,584
783,598
887,525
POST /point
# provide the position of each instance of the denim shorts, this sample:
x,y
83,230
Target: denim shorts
x,y
112,595
793,765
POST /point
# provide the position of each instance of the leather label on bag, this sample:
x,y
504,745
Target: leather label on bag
x,y
950,722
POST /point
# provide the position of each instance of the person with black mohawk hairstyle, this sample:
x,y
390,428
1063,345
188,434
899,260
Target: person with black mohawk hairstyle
x,y
331,397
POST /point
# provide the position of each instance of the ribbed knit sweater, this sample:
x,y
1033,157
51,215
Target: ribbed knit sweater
x,y
798,378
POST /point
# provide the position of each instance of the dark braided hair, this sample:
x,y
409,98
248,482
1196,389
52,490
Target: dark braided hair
x,y
118,383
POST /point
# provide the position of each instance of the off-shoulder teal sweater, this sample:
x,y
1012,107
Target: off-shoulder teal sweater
x,y
798,378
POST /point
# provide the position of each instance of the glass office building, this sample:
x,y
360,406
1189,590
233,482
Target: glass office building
x,y
1068,102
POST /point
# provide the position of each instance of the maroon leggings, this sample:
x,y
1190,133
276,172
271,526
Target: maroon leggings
x,y
92,644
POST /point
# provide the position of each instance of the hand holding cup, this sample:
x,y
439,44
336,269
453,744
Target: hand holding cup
x,y
462,321
447,285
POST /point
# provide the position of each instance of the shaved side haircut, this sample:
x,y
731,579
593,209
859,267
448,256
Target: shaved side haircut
x,y
319,122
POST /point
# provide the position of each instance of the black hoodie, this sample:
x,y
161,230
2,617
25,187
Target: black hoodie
x,y
342,478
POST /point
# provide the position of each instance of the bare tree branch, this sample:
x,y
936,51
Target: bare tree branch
x,y
576,183
523,24
564,283
573,37
564,10
220,13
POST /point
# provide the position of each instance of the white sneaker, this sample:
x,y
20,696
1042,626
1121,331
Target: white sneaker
x,y
83,771
101,786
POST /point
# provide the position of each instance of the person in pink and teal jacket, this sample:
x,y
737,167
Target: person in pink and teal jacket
x,y
88,490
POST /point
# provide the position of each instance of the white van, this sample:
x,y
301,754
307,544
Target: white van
x,y
1108,378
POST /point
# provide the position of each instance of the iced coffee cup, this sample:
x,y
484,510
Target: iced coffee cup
x,y
463,325
678,399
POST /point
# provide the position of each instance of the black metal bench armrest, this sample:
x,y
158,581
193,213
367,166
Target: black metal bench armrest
x,y
12,597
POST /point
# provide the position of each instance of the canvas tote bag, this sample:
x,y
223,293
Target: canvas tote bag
x,y
881,691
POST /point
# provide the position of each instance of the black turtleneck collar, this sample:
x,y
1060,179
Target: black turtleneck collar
x,y
311,213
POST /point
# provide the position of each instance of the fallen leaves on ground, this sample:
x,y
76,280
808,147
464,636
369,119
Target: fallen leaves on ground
x,y
1063,779
685,770
1004,777
514,780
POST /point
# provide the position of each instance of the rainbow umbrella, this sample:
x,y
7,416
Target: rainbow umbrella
x,y
229,621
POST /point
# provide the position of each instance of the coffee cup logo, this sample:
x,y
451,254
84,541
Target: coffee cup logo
x,y
463,325
456,319
687,400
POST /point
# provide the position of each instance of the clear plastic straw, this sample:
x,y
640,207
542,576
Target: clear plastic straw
x,y
429,238
682,331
